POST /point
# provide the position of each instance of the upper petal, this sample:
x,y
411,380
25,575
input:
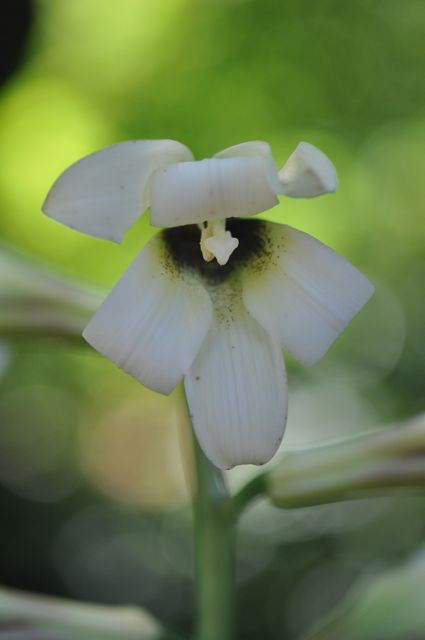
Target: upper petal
x,y
308,172
236,390
305,293
255,148
212,189
154,320
104,193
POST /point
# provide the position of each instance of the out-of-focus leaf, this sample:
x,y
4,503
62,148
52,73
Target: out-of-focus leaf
x,y
33,617
389,606
36,302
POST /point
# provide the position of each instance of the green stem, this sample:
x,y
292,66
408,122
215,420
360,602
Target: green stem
x,y
252,490
214,552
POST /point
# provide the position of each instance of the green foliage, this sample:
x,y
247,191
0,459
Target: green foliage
x,y
387,606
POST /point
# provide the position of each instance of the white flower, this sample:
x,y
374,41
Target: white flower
x,y
213,297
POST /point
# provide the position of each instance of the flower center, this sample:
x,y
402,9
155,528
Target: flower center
x,y
217,243
182,247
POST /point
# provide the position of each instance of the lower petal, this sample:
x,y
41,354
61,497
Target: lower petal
x,y
237,391
305,294
154,320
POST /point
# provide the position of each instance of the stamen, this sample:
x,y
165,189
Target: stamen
x,y
206,233
217,243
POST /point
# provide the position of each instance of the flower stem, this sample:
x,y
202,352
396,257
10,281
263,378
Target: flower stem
x,y
214,552
252,490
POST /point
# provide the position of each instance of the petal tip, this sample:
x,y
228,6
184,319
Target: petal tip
x,y
112,235
308,173
104,193
157,384
227,465
368,291
310,298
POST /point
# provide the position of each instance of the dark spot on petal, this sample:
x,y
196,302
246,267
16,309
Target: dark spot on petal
x,y
182,244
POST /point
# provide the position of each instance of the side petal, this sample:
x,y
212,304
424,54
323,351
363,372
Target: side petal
x,y
305,294
104,193
237,392
212,189
307,173
154,320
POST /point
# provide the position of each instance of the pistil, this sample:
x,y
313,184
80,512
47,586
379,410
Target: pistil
x,y
217,243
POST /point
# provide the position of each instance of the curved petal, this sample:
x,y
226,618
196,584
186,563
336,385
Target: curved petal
x,y
212,189
307,173
305,295
104,193
255,148
154,320
237,392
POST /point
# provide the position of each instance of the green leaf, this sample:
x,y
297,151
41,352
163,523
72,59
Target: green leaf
x,y
389,606
26,616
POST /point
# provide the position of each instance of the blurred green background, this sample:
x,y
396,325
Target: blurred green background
x,y
93,497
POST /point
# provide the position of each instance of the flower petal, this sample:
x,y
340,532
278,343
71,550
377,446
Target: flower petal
x,y
154,320
237,391
212,189
255,148
305,295
308,172
104,193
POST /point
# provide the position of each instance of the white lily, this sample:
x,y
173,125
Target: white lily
x,y
213,297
